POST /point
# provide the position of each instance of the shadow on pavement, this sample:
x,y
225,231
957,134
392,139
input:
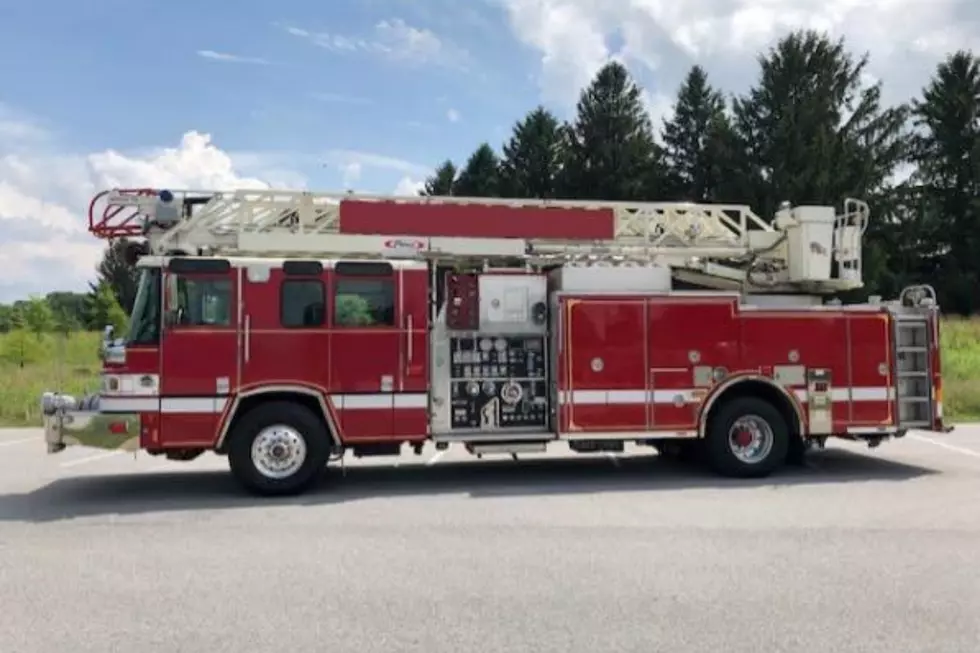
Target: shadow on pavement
x,y
148,492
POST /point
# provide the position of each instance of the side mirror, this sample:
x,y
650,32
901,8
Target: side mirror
x,y
107,332
112,350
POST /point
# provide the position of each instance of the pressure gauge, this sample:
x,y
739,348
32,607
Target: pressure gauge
x,y
511,393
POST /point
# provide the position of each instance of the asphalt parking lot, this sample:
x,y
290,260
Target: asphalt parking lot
x,y
858,551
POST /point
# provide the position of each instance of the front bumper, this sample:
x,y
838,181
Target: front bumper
x,y
69,422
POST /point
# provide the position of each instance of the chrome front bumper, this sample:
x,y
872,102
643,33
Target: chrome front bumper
x,y
69,422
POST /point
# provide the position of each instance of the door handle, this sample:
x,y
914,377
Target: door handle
x,y
248,338
411,344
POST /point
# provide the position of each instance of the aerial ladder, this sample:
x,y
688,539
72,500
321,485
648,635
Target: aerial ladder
x,y
810,250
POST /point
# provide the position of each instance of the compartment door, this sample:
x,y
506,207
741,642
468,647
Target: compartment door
x,y
604,365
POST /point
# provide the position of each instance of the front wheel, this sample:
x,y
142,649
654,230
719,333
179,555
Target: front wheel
x,y
278,449
747,438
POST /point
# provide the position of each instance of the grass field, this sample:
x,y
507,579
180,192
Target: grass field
x,y
22,384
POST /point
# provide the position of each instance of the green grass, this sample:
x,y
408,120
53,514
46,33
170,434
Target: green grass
x,y
29,366
22,384
960,342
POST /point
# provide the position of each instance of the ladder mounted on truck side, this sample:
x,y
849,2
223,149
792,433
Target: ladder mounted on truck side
x,y
914,335
714,245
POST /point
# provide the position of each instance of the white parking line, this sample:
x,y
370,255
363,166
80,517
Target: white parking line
x,y
435,457
10,443
93,458
951,447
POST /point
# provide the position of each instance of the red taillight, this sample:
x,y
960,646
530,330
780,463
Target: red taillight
x,y
118,428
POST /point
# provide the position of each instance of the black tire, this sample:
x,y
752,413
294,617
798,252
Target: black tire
x,y
798,449
721,452
298,422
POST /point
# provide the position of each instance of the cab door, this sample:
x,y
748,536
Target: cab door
x,y
199,349
412,399
365,336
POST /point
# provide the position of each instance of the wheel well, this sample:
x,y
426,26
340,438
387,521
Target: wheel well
x,y
760,390
248,402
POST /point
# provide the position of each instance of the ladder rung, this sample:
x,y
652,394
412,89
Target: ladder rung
x,y
914,400
913,374
912,350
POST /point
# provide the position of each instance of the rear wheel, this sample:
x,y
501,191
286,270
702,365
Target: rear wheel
x,y
747,438
278,449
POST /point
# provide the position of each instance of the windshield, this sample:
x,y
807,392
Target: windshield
x,y
144,324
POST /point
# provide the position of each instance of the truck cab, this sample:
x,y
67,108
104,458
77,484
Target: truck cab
x,y
208,337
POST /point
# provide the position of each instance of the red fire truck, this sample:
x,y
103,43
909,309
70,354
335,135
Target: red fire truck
x,y
285,328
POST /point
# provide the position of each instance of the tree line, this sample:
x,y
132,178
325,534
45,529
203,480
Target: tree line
x,y
810,130
108,301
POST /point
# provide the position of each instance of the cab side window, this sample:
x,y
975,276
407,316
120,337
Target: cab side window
x,y
302,303
203,301
360,302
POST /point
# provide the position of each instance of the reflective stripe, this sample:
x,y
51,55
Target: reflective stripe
x,y
687,395
164,405
371,401
129,404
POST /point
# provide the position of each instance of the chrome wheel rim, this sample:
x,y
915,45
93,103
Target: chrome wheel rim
x,y
278,451
750,439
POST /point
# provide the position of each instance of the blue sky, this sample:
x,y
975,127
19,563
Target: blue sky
x,y
369,94
363,78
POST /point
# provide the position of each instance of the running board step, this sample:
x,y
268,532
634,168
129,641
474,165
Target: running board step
x,y
494,438
509,448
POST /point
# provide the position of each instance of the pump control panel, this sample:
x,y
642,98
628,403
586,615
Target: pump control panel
x,y
498,382
489,354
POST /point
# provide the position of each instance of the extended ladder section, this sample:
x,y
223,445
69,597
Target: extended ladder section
x,y
913,361
714,244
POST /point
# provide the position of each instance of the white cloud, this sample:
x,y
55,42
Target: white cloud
x,y
453,115
344,158
44,196
231,58
12,129
45,193
660,107
351,174
408,186
571,38
195,163
17,129
394,40
661,38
